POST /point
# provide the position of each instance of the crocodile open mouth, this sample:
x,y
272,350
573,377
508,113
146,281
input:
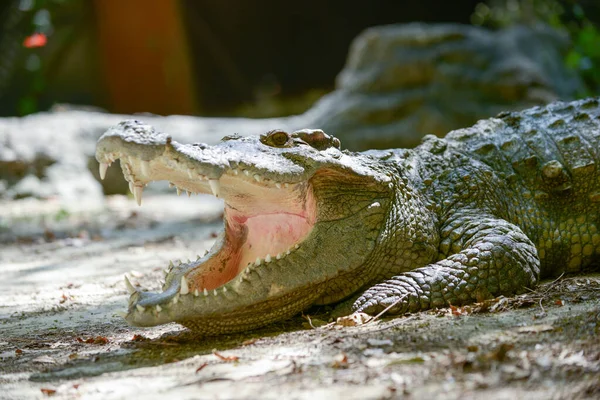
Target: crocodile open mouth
x,y
264,221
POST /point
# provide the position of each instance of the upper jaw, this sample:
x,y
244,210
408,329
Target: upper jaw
x,y
150,155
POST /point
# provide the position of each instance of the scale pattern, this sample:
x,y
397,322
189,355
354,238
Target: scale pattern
x,y
515,197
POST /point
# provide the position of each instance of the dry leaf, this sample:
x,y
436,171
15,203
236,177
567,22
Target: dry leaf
x,y
355,319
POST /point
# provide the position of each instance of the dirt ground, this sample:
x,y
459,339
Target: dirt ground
x,y
61,336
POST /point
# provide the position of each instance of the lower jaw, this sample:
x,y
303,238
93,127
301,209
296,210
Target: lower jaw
x,y
253,316
219,307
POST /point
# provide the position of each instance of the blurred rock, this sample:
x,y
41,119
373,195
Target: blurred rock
x,y
404,81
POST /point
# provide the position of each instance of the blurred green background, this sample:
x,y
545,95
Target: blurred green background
x,y
257,58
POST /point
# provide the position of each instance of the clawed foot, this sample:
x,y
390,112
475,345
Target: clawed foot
x,y
380,299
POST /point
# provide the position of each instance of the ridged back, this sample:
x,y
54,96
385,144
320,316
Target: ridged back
x,y
550,150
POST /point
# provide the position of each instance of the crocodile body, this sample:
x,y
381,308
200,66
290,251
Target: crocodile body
x,y
487,210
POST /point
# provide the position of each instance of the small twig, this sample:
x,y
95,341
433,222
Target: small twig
x,y
225,358
386,309
399,321
307,317
549,287
541,306
552,284
200,368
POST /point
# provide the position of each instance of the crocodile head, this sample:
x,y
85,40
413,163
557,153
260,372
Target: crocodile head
x,y
301,218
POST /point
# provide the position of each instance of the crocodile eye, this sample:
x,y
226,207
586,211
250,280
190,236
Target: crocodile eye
x,y
276,138
279,138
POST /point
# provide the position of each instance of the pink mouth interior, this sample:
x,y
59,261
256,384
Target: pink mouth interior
x,y
250,236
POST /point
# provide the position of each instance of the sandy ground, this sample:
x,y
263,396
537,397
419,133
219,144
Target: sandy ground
x,y
60,335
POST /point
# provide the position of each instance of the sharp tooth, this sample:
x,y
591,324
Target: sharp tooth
x,y
257,178
258,262
171,184
286,185
205,292
215,186
205,252
268,258
296,246
278,185
166,272
131,187
224,289
278,256
103,168
145,168
137,194
140,308
189,193
246,172
178,191
184,289
176,299
235,171
215,292
130,287
196,293
121,314
158,308
287,252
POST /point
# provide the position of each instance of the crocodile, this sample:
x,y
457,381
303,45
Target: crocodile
x,y
486,211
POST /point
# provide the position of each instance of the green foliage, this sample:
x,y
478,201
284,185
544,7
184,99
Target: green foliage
x,y
585,56
567,16
503,13
61,215
35,17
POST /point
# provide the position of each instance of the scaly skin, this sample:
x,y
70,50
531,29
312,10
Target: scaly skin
x,y
486,211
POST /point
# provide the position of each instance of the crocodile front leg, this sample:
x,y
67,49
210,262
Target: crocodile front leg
x,y
492,257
